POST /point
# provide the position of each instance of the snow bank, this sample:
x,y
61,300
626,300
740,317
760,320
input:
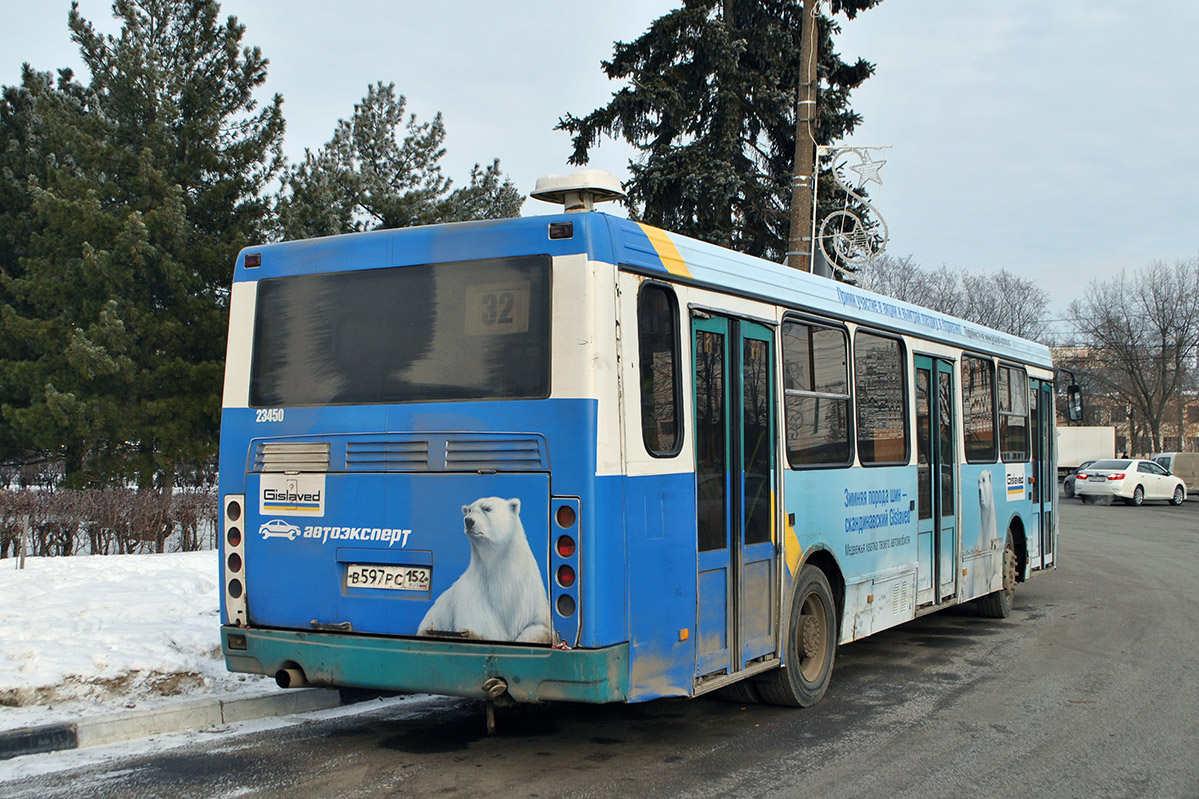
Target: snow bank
x,y
105,632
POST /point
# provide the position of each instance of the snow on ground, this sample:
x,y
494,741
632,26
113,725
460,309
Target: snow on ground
x,y
85,635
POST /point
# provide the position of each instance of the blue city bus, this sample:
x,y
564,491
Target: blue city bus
x,y
574,457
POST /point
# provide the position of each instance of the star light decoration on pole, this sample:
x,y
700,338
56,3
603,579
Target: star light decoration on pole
x,y
855,235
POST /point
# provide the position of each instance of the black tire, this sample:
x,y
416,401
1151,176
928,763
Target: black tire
x,y
1138,497
998,604
740,693
1068,490
811,645
1179,495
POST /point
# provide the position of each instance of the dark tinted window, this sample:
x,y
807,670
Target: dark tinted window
x,y
451,331
658,343
945,441
978,408
924,443
879,394
711,448
1013,414
816,390
756,416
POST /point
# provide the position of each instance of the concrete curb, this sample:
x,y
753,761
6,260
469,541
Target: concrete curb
x,y
196,714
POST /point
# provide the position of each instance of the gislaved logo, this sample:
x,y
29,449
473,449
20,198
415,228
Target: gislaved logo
x,y
1016,483
292,495
291,499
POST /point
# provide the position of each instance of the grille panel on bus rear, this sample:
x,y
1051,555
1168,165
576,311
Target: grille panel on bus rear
x,y
511,454
447,452
406,452
291,456
387,455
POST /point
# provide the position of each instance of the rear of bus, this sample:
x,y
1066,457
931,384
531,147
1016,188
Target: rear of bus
x,y
412,428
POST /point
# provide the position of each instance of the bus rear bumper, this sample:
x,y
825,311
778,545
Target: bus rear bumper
x,y
423,665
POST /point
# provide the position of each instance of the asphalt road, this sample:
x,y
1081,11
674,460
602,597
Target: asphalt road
x,y
1090,689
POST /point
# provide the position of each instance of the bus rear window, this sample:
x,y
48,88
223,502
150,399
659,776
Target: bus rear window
x,y
467,330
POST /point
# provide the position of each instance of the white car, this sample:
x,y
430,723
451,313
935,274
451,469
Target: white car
x,y
277,528
1130,479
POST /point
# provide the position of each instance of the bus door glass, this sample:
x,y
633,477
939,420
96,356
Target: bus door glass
x,y
734,477
937,475
1044,479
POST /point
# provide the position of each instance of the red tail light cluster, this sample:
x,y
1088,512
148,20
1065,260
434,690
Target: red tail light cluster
x,y
564,566
236,611
1116,476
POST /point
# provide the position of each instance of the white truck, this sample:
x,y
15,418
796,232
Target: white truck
x,y
1078,444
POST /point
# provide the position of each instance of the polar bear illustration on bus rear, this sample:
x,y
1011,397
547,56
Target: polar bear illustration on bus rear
x,y
501,595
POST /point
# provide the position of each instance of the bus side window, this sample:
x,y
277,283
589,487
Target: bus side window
x,y
978,406
816,387
880,395
1013,414
658,342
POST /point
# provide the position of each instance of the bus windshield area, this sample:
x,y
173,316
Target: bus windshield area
x,y
467,330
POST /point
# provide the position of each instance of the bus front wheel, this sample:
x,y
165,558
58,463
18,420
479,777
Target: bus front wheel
x,y
811,645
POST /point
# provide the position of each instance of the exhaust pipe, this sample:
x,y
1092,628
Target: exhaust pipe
x,y
496,690
290,678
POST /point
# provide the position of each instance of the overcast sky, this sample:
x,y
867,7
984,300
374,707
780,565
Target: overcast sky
x,y
1053,138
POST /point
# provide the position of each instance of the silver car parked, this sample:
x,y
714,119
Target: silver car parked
x,y
1068,483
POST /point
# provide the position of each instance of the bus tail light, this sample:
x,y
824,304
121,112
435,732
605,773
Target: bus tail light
x,y
566,576
233,541
564,567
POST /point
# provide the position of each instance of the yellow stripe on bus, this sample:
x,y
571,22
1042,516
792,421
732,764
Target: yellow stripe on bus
x,y
791,550
667,252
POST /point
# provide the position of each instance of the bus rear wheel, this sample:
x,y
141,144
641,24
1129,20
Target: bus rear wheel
x,y
811,645
744,692
998,604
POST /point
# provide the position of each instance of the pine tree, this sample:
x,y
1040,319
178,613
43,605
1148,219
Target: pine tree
x,y
115,302
62,349
711,106
368,177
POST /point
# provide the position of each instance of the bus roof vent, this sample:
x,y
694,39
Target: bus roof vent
x,y
578,191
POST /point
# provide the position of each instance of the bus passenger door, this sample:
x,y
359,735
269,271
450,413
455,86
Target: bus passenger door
x,y
936,493
757,581
734,477
1044,477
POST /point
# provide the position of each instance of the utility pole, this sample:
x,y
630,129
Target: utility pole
x,y
799,245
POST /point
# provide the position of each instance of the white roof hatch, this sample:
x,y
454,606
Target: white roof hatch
x,y
580,190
